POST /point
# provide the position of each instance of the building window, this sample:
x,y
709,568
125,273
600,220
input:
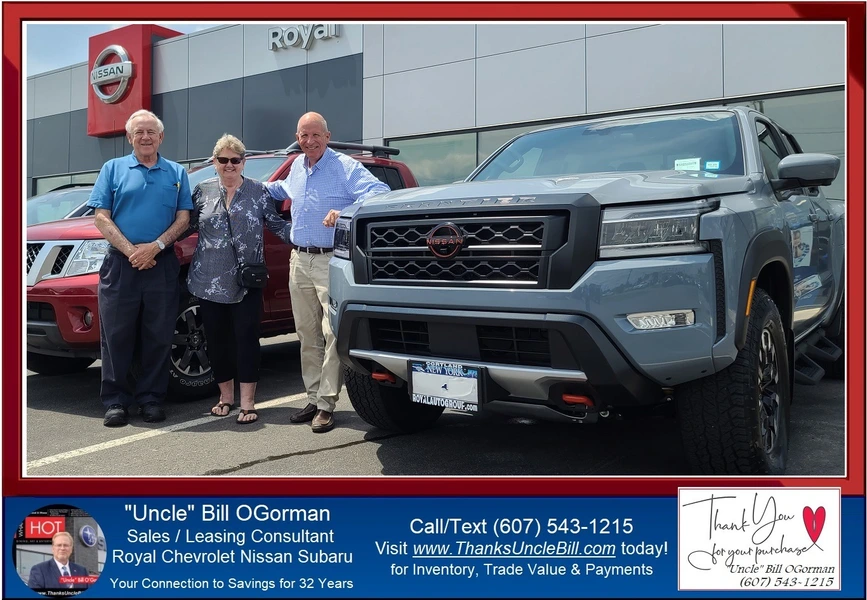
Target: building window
x,y
85,177
436,160
490,141
46,184
815,119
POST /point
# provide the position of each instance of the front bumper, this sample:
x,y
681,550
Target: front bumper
x,y
584,327
56,317
582,361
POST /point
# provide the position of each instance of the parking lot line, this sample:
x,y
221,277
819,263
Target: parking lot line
x,y
49,460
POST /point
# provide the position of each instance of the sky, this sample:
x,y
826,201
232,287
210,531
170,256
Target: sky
x,y
52,47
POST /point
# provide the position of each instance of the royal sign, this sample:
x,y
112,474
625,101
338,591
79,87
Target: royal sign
x,y
299,36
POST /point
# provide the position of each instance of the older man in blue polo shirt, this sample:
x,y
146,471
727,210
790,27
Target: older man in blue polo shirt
x,y
320,185
143,205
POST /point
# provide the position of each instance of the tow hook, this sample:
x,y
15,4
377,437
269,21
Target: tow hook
x,y
383,377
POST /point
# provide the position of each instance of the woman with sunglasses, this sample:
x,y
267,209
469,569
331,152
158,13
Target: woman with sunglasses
x,y
230,213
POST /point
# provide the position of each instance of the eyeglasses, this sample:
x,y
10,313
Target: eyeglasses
x,y
224,159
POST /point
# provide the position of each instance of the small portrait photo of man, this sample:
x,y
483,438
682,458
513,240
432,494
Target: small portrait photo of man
x,y
58,571
59,551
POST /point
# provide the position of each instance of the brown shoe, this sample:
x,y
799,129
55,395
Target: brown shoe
x,y
323,421
305,414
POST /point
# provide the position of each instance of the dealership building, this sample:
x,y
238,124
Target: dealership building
x,y
447,94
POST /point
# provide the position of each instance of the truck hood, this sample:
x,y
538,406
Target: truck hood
x,y
606,188
80,228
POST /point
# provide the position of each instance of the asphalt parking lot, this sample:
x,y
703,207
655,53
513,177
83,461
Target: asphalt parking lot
x,y
65,437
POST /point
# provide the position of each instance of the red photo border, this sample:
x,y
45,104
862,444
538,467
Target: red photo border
x,y
12,386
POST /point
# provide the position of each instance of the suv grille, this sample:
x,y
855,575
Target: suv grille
x,y
498,250
32,252
62,256
501,345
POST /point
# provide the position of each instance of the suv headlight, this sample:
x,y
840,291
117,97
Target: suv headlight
x,y
653,230
342,238
88,258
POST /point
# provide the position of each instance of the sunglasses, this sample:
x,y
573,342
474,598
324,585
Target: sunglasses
x,y
224,160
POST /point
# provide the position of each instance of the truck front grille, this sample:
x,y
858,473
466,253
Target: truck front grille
x,y
59,262
470,271
32,253
514,345
50,259
493,344
504,250
405,337
478,234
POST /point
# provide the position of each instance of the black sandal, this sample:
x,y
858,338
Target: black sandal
x,y
219,406
244,412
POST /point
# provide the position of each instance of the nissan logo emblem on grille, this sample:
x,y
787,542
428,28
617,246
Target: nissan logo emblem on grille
x,y
104,73
445,240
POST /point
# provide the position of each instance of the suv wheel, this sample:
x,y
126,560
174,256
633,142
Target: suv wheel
x,y
190,373
736,422
386,407
56,365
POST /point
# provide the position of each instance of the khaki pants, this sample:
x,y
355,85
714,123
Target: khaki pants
x,y
320,366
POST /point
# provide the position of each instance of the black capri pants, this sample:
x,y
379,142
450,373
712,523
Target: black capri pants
x,y
232,331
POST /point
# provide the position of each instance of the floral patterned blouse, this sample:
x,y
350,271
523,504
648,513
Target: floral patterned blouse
x,y
212,274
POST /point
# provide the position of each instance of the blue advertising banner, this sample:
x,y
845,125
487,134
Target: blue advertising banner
x,y
760,542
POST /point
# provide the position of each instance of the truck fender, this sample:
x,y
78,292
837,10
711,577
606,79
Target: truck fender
x,y
767,247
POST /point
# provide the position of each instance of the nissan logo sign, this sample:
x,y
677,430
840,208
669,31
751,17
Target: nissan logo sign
x,y
445,240
104,73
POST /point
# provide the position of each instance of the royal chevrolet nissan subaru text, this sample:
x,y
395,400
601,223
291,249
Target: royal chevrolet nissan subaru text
x,y
683,260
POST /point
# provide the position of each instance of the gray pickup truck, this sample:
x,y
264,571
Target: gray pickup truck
x,y
684,261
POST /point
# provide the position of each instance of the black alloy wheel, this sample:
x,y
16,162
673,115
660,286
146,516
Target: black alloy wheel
x,y
770,413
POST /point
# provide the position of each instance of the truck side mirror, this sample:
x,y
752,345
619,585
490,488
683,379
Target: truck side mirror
x,y
806,170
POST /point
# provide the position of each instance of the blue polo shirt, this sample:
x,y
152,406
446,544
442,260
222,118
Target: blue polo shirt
x,y
143,201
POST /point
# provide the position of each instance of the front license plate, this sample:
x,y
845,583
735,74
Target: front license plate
x,y
447,384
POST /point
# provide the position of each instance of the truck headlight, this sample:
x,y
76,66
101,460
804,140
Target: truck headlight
x,y
653,229
88,258
342,237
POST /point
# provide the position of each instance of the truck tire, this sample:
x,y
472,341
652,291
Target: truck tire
x,y
190,374
736,422
56,365
386,407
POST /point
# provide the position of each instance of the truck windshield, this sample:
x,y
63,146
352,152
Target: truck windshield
x,y
259,169
708,142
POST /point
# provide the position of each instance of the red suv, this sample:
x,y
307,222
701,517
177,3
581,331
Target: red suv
x,y
64,257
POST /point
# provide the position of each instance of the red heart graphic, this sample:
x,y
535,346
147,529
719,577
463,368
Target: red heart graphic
x,y
814,522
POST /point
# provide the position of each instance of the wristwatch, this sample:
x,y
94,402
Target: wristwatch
x,y
160,244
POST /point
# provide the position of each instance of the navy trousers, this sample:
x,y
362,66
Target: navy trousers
x,y
137,307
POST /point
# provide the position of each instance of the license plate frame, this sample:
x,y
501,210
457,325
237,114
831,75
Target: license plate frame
x,y
427,378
